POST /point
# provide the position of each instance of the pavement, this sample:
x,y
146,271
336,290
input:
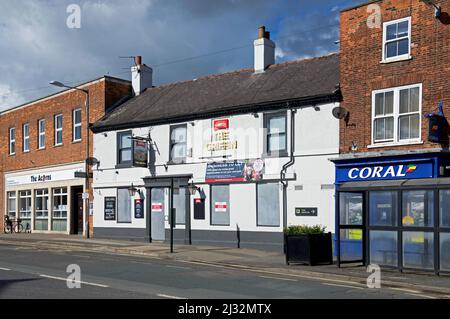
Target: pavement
x,y
263,263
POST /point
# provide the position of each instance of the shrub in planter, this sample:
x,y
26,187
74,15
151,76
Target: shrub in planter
x,y
308,245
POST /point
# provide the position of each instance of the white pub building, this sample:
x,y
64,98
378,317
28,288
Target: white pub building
x,y
228,159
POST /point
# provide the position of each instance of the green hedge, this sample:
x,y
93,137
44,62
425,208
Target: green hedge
x,y
305,230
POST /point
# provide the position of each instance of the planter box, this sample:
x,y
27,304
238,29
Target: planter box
x,y
309,249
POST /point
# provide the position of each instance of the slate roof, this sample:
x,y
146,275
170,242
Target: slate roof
x,y
309,80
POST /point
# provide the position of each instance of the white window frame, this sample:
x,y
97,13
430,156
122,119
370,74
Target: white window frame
x,y
26,138
76,125
12,141
11,211
58,129
41,133
402,57
396,114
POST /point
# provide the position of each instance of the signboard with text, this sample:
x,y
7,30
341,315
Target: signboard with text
x,y
139,208
140,154
234,171
110,208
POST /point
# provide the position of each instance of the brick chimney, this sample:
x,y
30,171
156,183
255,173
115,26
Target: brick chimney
x,y
141,76
264,50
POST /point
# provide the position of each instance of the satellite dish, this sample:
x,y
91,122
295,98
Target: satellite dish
x,y
340,113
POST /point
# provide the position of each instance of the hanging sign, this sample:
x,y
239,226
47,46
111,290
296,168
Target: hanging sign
x,y
140,154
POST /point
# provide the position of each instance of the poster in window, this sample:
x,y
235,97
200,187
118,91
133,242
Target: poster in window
x,y
138,208
110,208
140,154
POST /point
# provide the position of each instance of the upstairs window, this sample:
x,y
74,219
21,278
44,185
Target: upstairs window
x,y
76,125
396,114
276,138
26,137
41,134
124,148
397,40
178,138
12,141
58,129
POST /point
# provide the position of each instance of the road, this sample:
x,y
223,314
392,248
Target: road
x,y
30,273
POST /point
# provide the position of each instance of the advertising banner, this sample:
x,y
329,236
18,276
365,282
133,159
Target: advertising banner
x,y
234,171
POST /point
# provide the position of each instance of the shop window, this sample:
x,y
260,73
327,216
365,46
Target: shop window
x,y
396,39
396,115
444,208
383,248
41,209
59,220
268,208
12,141
25,208
12,199
276,137
124,148
444,251
383,208
179,203
220,205
123,206
418,250
58,129
41,134
26,137
178,145
76,115
351,208
418,208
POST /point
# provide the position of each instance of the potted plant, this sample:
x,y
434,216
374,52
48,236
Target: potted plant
x,y
308,245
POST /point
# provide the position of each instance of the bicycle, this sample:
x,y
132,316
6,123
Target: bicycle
x,y
11,226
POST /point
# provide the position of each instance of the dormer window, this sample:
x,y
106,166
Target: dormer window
x,y
397,40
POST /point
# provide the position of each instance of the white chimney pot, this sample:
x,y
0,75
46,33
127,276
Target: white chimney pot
x,y
141,77
264,53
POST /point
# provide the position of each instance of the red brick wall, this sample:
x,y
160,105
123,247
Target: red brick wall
x,y
103,94
362,72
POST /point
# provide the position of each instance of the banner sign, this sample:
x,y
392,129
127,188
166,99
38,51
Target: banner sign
x,y
140,154
138,208
110,208
235,171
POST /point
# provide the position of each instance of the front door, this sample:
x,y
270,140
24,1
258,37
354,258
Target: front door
x,y
158,212
79,212
351,227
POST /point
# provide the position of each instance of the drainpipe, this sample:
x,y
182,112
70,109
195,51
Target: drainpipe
x,y
284,169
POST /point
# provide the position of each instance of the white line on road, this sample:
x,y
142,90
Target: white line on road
x,y
406,290
345,286
422,296
169,296
5,269
278,278
76,281
177,267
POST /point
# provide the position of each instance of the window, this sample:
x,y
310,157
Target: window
x,y
59,220
220,205
123,206
41,134
383,208
178,138
12,141
179,203
58,129
268,210
275,125
396,39
76,125
26,137
41,209
396,114
418,208
124,148
25,204
444,208
11,204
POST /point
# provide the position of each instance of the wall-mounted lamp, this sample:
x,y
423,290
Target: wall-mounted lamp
x,y
192,188
133,190
255,115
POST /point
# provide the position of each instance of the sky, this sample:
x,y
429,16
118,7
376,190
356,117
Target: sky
x,y
180,40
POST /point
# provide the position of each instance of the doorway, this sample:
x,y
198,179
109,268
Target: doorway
x,y
77,211
159,206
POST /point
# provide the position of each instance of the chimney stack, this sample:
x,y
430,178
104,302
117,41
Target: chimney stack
x,y
264,50
141,76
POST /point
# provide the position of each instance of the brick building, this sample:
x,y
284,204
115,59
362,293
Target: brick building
x,y
42,146
393,203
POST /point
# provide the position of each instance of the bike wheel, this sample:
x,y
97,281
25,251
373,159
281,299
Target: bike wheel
x,y
18,228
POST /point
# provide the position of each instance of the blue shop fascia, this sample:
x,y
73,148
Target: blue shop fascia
x,y
393,209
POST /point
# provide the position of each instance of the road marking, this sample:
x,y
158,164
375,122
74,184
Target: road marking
x,y
5,269
177,267
169,296
406,290
75,281
278,278
344,286
422,296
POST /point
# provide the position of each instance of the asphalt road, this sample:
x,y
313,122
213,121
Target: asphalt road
x,y
31,273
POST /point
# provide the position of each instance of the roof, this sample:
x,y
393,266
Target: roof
x,y
81,85
365,3
305,80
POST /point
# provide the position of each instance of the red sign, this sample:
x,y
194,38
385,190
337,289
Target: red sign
x,y
222,124
220,206
157,207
